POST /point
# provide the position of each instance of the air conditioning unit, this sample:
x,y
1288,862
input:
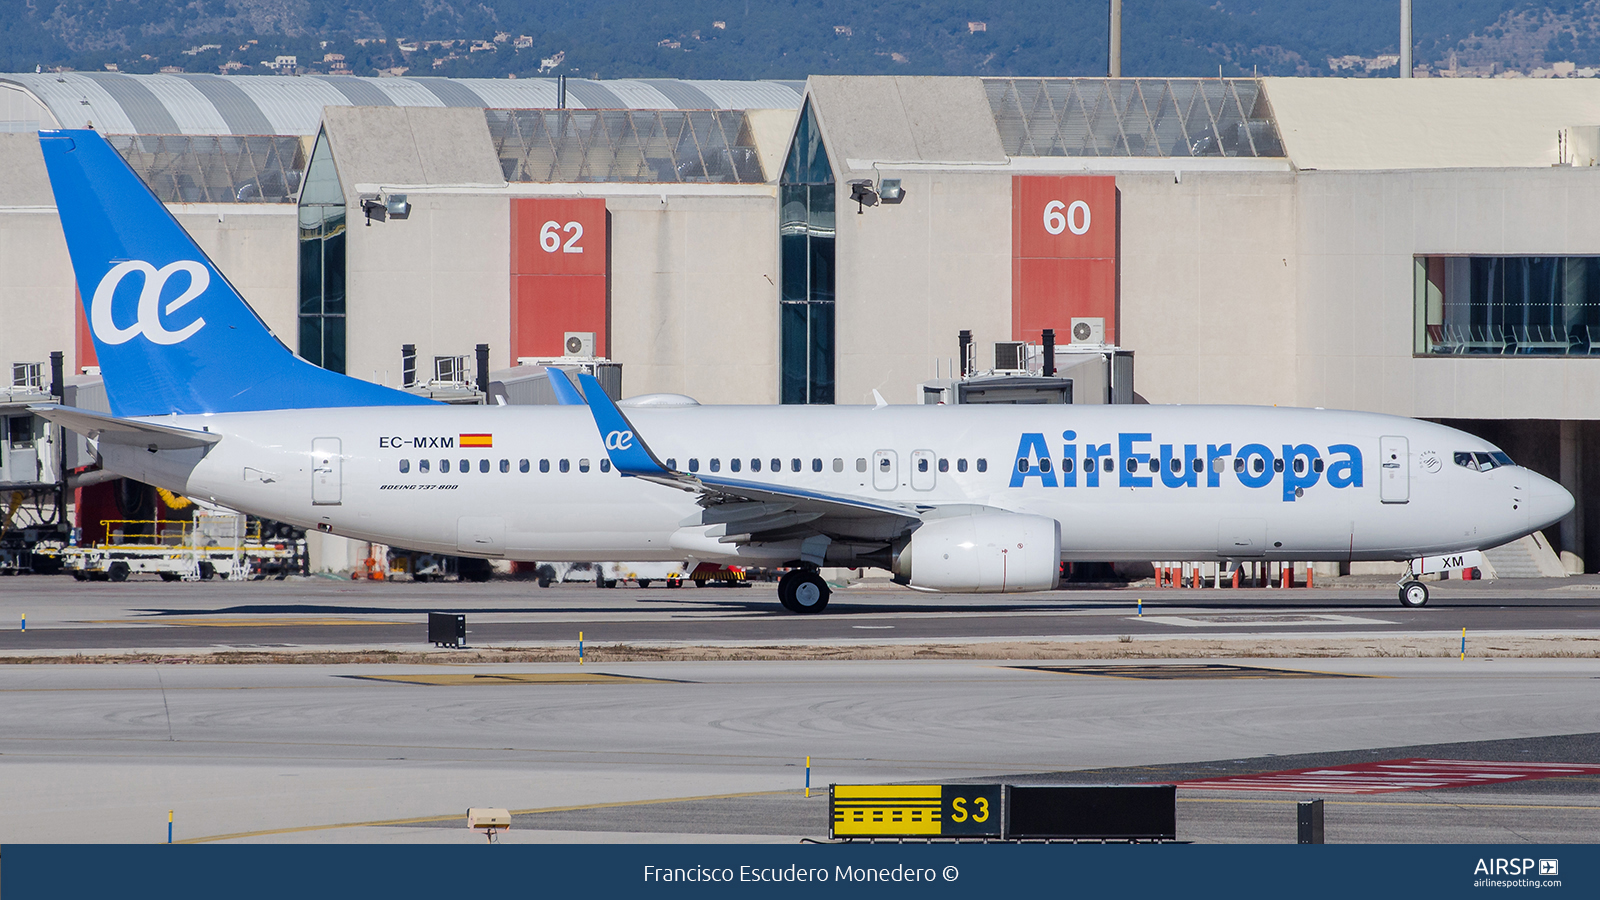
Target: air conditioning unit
x,y
579,343
1010,356
1090,330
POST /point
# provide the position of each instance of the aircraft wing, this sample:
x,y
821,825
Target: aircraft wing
x,y
749,511
102,427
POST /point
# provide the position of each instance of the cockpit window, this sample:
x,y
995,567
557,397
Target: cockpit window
x,y
1482,462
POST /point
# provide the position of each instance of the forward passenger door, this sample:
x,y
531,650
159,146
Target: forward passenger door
x,y
885,470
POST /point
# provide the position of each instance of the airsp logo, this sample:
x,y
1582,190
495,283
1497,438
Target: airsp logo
x,y
619,440
149,312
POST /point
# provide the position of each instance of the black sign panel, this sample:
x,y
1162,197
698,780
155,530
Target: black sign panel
x,y
1092,812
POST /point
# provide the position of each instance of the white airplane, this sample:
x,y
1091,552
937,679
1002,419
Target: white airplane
x,y
208,403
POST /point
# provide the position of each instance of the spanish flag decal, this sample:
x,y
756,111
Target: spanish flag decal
x,y
477,440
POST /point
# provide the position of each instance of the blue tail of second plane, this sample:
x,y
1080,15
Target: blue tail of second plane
x,y
172,335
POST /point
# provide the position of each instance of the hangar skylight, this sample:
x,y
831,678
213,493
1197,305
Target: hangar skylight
x,y
1151,117
662,146
195,168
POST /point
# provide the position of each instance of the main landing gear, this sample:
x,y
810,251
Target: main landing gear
x,y
803,591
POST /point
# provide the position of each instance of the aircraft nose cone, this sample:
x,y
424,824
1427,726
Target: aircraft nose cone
x,y
1547,502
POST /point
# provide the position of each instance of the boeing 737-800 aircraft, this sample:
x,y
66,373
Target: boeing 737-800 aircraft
x,y
207,402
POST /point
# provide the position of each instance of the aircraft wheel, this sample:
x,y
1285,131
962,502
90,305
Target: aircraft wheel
x,y
1414,595
803,591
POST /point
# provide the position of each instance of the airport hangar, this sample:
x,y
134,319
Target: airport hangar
x,y
1423,247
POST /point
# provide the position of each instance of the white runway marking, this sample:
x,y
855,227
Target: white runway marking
x,y
1234,620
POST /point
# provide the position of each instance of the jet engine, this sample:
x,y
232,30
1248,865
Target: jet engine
x,y
982,553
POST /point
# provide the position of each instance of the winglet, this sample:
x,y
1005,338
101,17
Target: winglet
x,y
627,450
566,394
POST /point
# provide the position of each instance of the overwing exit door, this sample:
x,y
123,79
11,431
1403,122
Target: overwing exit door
x,y
1394,460
327,472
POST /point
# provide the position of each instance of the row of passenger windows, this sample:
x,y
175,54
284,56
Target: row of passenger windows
x,y
1483,462
523,465
1108,464
714,464
796,464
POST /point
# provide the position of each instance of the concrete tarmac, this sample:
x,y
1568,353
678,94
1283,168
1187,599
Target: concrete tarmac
x,y
715,751
309,753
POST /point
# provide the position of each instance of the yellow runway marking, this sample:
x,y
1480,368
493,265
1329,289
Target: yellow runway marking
x,y
214,622
453,679
422,820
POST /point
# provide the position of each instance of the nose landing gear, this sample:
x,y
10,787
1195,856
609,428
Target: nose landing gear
x,y
1413,594
803,591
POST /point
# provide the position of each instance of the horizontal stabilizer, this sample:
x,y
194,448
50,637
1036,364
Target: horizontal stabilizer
x,y
101,427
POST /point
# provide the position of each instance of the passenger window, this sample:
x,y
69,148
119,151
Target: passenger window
x,y
672,463
444,467
716,464
1277,465
1238,464
1194,465
1106,464
755,465
816,465
405,466
505,465
734,464
961,465
794,465
861,464
838,464
583,465
1299,465
1154,465
1022,465
777,465
1044,463
694,465
1066,464
605,465
564,466
1316,464
1177,467
422,466
922,465
983,465
944,464
883,464
1132,465
522,466
466,466
1259,465
483,465
544,465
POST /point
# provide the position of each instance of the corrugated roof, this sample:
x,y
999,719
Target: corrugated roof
x,y
120,103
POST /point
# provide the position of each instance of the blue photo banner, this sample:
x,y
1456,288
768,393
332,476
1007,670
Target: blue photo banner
x,y
50,872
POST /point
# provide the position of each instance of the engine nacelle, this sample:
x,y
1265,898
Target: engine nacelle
x,y
984,553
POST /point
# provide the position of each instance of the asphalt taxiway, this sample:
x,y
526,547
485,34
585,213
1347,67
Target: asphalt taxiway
x,y
67,616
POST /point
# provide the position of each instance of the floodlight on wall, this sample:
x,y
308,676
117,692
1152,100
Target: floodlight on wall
x,y
384,207
891,191
863,193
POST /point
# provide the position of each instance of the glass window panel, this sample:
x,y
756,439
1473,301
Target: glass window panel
x,y
821,374
333,266
1506,305
794,334
310,272
333,343
311,339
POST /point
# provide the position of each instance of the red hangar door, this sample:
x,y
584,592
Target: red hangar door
x,y
560,265
1064,244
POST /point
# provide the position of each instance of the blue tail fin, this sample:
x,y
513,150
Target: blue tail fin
x,y
172,335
